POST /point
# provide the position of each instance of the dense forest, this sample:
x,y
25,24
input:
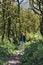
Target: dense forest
x,y
21,28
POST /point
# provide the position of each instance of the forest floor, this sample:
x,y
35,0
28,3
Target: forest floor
x,y
14,59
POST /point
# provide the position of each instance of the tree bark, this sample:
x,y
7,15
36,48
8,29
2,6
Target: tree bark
x,y
41,26
3,10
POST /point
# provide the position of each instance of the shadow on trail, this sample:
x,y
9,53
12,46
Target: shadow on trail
x,y
14,59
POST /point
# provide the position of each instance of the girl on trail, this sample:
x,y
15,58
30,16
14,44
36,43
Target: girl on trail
x,y
22,38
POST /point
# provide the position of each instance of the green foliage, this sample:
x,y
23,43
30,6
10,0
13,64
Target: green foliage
x,y
6,49
20,19
28,21
33,54
1,62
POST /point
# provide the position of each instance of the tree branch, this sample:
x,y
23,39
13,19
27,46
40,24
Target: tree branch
x,y
21,1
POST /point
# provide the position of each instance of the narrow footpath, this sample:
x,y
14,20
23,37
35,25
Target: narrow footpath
x,y
14,59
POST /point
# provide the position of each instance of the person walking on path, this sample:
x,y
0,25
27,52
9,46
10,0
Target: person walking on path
x,y
22,38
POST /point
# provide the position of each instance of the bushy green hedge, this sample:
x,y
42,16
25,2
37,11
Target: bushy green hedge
x,y
33,54
6,49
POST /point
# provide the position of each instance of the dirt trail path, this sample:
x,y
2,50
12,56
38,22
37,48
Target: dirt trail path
x,y
14,59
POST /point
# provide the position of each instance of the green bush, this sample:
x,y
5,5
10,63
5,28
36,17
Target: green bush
x,y
33,54
6,49
1,62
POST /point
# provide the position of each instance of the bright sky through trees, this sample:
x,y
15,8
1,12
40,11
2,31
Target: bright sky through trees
x,y
25,3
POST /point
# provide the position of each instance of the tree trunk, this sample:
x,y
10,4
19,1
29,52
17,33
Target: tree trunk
x,y
41,26
3,10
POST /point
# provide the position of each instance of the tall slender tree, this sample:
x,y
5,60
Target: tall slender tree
x,y
18,12
6,17
3,10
